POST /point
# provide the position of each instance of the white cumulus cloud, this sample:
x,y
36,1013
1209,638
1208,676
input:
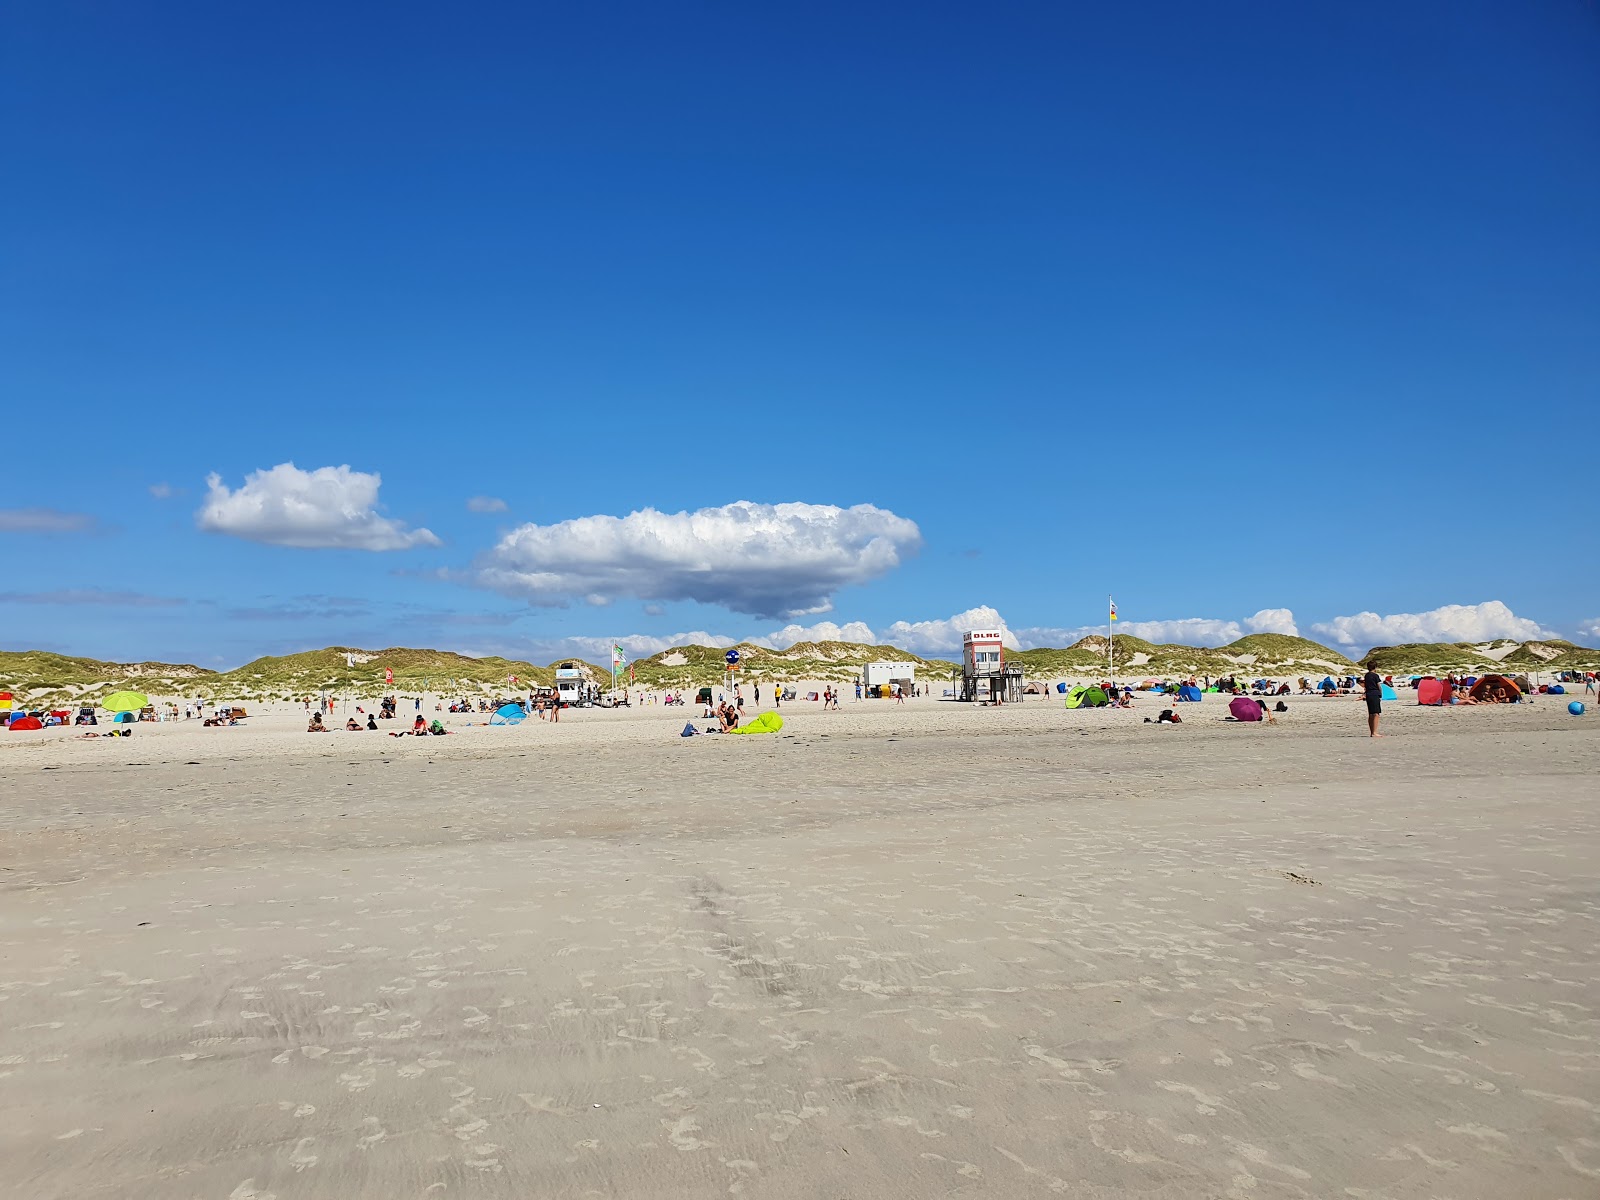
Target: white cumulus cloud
x,y
1590,628
1273,620
1449,623
485,504
822,631
327,508
935,637
768,560
643,645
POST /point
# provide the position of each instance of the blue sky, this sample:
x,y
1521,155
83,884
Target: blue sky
x,y
1021,305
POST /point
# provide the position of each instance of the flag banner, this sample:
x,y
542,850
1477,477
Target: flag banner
x,y
1113,610
617,656
388,675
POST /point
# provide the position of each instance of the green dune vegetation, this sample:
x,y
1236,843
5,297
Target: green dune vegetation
x,y
1258,653
697,666
1421,658
439,671
38,677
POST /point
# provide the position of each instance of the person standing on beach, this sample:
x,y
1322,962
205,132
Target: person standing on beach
x,y
1372,685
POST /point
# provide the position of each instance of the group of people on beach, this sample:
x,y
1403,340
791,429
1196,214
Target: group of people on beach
x,y
420,727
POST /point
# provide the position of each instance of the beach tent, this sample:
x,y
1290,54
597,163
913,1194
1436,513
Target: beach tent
x,y
1188,692
1387,692
1433,691
1087,697
767,722
26,723
1486,686
1557,690
1327,684
508,714
1243,708
124,718
1061,687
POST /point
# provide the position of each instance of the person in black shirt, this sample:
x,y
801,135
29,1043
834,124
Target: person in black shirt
x,y
1373,686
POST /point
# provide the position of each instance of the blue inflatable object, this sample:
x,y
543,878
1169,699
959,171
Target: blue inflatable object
x,y
1557,690
509,714
1576,708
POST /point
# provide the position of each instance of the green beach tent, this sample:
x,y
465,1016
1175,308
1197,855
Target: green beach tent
x,y
1087,697
767,722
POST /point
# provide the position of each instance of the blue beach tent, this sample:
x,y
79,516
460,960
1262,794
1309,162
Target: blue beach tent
x,y
508,714
1188,692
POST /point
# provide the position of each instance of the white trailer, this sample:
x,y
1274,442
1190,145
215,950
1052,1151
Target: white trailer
x,y
571,687
887,674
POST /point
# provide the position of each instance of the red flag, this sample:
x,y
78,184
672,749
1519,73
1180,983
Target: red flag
x,y
388,675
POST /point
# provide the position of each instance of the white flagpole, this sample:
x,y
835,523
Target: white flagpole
x,y
1111,647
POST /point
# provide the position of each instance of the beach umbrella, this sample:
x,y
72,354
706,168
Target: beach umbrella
x,y
125,702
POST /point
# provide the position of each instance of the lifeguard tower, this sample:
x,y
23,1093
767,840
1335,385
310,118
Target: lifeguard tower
x,y
986,677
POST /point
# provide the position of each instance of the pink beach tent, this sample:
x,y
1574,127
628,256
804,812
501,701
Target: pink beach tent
x,y
1433,691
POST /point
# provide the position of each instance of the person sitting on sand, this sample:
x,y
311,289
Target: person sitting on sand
x,y
728,716
372,722
419,726
354,726
316,725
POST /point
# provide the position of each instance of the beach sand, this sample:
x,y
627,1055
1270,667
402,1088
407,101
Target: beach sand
x,y
895,951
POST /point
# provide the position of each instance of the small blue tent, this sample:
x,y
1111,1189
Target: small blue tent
x,y
1061,687
1188,692
1388,692
509,714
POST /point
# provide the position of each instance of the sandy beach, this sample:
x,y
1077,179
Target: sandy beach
x,y
895,951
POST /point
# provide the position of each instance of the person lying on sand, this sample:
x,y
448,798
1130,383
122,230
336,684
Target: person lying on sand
x,y
354,726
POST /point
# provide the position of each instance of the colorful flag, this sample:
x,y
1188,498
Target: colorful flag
x,y
388,675
617,656
1113,610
